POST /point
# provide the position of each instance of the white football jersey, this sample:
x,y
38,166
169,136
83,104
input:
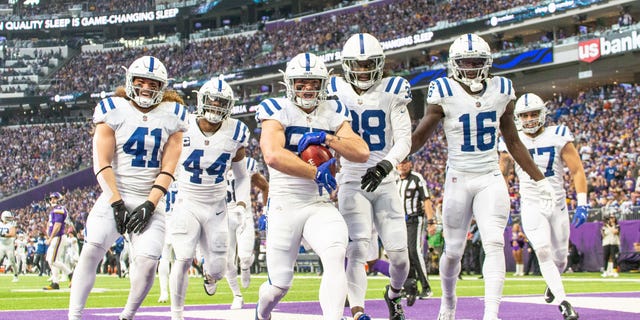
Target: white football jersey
x,y
204,161
546,150
328,117
471,122
372,117
252,168
21,246
140,139
4,230
170,197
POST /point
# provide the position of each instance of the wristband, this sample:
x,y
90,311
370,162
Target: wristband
x,y
161,188
581,199
169,174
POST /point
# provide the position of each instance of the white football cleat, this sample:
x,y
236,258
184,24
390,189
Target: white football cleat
x,y
238,303
15,279
163,298
245,277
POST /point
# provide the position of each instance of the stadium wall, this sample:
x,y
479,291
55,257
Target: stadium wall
x,y
78,179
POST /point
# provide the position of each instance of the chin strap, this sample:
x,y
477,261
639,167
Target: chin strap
x,y
476,86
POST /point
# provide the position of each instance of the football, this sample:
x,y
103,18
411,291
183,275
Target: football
x,y
316,155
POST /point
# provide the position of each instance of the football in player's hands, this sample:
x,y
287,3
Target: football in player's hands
x,y
316,155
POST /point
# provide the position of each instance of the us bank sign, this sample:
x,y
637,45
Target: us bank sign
x,y
612,43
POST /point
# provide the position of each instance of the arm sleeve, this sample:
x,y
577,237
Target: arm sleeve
x,y
401,125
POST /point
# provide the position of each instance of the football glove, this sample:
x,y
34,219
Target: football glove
x,y
547,195
324,179
580,216
311,138
374,176
140,216
120,214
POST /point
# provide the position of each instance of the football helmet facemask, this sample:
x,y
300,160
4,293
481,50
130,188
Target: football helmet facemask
x,y
151,68
529,102
362,60
215,100
470,60
306,66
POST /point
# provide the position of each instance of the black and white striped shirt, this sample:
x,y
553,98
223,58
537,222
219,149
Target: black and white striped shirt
x,y
413,192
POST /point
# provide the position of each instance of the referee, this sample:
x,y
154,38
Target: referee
x,y
417,203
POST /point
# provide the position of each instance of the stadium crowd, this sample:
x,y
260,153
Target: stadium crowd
x,y
272,45
52,7
35,154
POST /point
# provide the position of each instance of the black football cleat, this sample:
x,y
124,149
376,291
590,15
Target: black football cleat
x,y
548,295
395,305
411,289
567,311
425,294
52,286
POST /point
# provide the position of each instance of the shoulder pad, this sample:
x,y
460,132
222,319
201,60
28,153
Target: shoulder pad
x,y
506,87
441,87
270,106
241,132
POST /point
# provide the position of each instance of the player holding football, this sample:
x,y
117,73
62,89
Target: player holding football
x,y
548,231
299,206
368,193
242,231
212,144
136,146
472,106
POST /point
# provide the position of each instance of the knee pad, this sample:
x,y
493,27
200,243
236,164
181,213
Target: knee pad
x,y
215,265
543,253
400,258
453,252
269,290
357,251
246,262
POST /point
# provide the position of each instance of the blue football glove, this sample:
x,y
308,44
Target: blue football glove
x,y
311,138
324,179
580,216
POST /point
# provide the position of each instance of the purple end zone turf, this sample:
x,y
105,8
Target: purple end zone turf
x,y
468,308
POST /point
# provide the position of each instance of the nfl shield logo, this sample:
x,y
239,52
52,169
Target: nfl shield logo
x,y
454,179
206,142
144,118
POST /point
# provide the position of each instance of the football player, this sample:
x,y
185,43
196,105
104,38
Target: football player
x,y
299,205
473,106
136,147
548,231
242,232
7,239
56,240
21,254
213,144
167,258
368,192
